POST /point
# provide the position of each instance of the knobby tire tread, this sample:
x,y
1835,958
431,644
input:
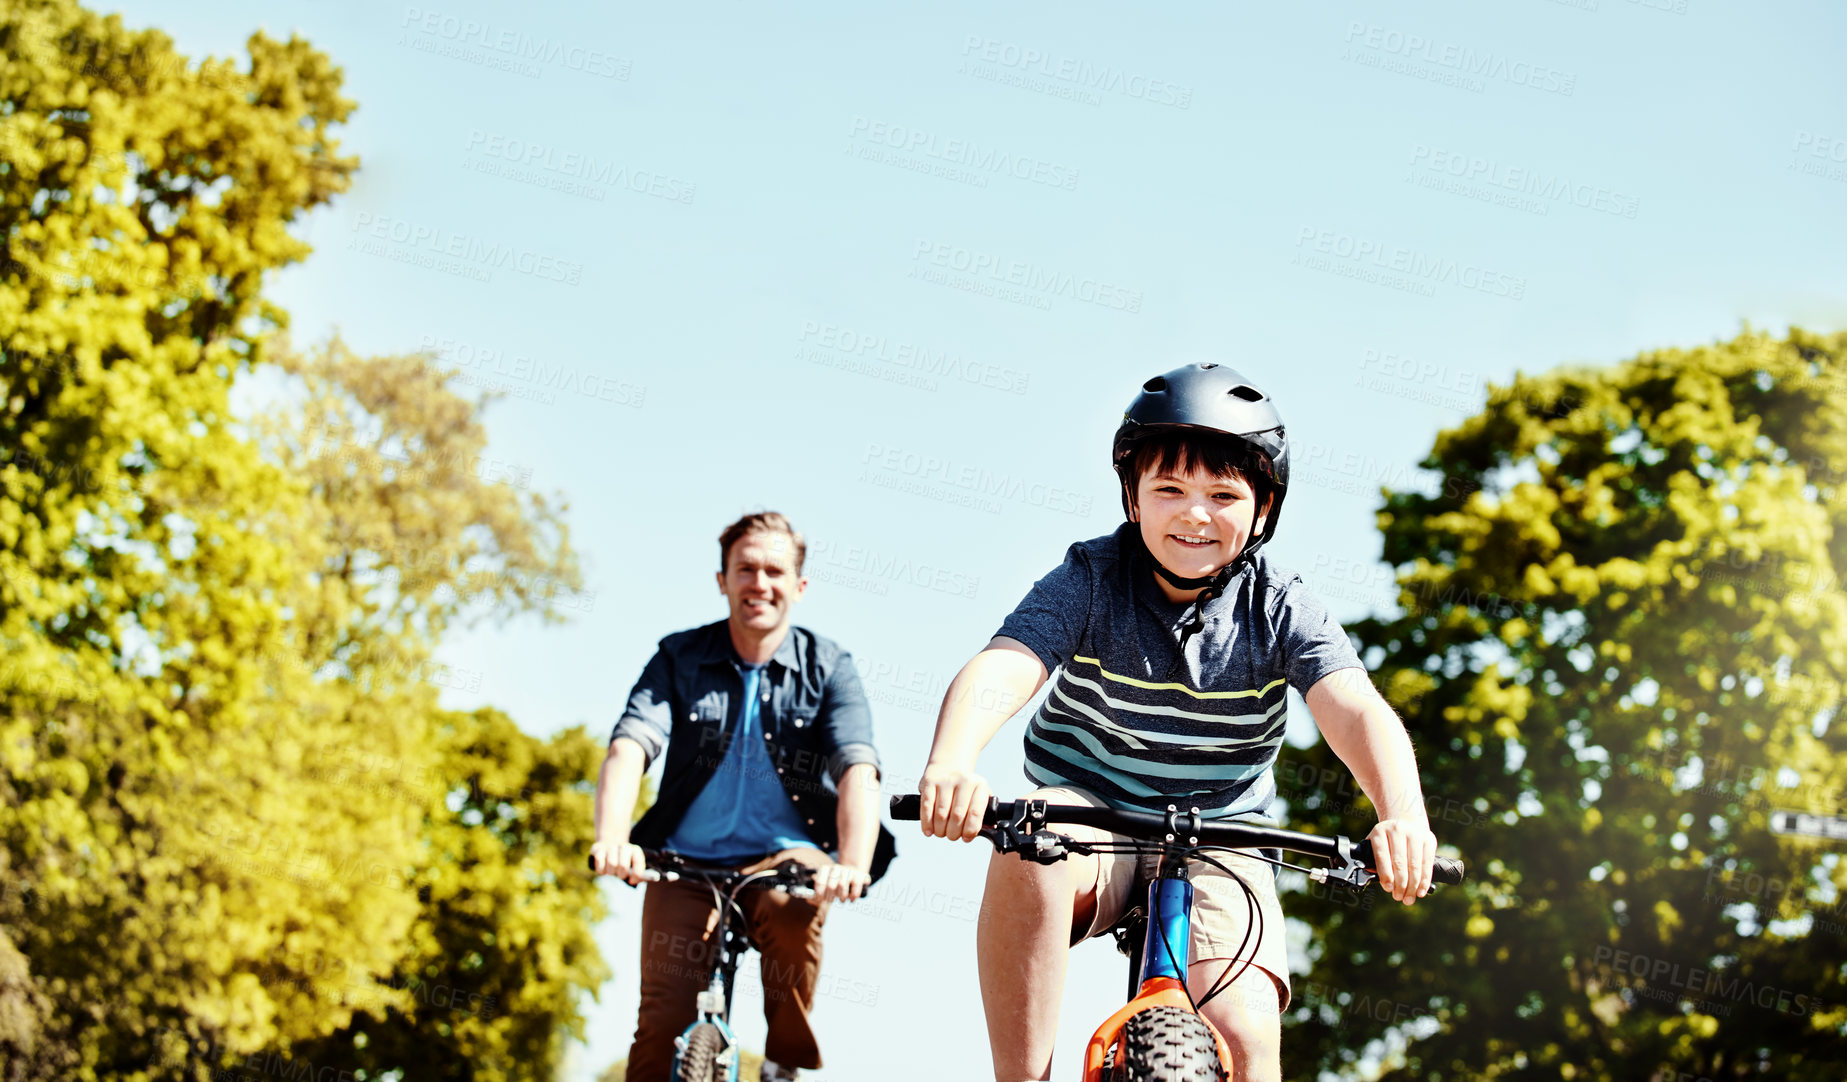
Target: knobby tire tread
x,y
699,1063
1166,1044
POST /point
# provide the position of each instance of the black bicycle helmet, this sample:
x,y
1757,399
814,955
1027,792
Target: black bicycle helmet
x,y
1219,401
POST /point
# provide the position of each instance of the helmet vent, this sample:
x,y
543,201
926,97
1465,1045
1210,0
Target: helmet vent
x,y
1158,383
1247,392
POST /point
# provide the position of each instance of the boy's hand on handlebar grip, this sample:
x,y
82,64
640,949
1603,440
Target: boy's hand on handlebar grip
x,y
620,859
951,802
1404,852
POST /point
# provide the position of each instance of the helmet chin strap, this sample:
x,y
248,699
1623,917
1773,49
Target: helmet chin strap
x,y
1219,578
1211,586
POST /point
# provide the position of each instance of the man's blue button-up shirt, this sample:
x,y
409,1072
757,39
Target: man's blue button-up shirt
x,y
815,724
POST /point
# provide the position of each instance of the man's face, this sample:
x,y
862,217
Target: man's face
x,y
1193,521
760,582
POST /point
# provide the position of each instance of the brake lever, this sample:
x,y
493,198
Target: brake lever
x,y
795,878
1027,836
1344,869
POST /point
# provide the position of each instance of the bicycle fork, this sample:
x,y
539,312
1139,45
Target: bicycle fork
x,y
714,1005
1160,977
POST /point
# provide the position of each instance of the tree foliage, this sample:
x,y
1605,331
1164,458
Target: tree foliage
x,y
234,822
145,555
502,948
1620,648
420,534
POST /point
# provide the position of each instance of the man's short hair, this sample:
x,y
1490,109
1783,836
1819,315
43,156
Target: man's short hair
x,y
761,522
1181,450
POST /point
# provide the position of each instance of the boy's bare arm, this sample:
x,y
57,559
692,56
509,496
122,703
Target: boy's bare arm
x,y
991,688
1364,730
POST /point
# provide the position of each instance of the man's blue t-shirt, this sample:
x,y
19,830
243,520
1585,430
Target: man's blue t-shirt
x,y
743,812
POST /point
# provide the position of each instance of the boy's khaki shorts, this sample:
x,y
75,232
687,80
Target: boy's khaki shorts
x,y
1221,912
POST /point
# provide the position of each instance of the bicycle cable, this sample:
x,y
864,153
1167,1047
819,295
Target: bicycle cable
x,y
1254,919
1253,922
728,899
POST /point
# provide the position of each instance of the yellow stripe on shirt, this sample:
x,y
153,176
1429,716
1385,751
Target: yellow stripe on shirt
x,y
1132,682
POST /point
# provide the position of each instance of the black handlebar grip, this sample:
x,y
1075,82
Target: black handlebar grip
x,y
1447,871
908,809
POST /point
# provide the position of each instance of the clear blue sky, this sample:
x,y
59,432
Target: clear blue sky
x,y
895,272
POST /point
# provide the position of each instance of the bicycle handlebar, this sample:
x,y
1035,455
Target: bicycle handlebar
x,y
1149,825
664,865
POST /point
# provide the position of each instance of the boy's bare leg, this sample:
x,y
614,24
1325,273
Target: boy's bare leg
x,y
1022,942
1248,1014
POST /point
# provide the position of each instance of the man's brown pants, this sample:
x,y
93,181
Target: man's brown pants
x,y
679,943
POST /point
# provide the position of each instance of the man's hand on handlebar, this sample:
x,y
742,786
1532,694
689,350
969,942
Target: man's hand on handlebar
x,y
951,802
840,882
1404,852
620,859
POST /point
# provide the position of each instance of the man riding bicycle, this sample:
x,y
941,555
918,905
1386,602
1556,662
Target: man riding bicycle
x,y
768,739
1174,641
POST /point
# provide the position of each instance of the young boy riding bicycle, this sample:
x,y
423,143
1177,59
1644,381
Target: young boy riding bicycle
x,y
1174,641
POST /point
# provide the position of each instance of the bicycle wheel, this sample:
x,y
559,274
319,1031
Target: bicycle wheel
x,y
1167,1044
700,1060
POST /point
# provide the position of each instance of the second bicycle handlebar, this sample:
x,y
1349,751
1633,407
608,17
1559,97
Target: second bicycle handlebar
x,y
791,875
1149,825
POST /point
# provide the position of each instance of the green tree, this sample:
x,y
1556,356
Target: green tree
x,y
147,554
502,948
1621,645
425,532
421,532
226,827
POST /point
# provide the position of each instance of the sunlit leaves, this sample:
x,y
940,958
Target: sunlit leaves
x,y
1620,647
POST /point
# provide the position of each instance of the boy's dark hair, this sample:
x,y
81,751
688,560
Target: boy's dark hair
x,y
760,522
1181,450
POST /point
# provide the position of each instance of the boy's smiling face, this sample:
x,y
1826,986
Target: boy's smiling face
x,y
1193,521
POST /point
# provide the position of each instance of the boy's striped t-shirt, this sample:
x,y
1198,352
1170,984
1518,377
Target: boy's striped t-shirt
x,y
1130,720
